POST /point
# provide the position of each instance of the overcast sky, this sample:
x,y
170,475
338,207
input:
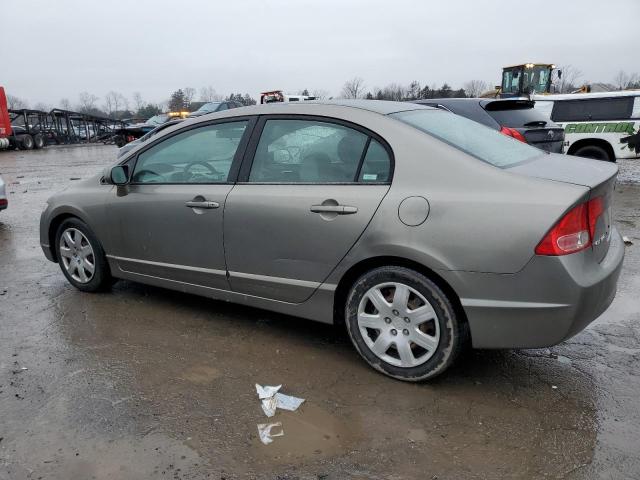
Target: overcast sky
x,y
55,49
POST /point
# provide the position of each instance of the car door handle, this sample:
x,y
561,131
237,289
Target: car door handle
x,y
339,209
202,204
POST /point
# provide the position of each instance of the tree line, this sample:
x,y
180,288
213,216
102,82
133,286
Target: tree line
x,y
116,105
570,81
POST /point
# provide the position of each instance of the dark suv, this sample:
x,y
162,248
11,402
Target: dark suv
x,y
514,117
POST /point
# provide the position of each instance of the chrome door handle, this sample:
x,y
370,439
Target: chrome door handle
x,y
339,209
203,204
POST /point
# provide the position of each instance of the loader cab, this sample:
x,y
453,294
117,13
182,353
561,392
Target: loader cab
x,y
526,79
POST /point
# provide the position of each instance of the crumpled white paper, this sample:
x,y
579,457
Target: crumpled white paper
x,y
272,399
266,433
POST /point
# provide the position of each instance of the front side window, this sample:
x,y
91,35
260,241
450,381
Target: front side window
x,y
199,155
511,81
482,142
307,151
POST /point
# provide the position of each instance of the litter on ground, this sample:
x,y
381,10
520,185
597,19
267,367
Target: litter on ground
x,y
627,241
271,400
266,433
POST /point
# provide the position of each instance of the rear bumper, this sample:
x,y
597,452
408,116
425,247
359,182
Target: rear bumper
x,y
3,203
550,300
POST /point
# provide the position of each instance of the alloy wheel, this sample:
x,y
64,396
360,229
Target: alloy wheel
x,y
77,255
398,324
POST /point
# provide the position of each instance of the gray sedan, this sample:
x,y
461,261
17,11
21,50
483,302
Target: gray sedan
x,y
421,230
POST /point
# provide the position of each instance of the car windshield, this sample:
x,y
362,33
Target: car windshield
x,y
482,142
209,107
158,119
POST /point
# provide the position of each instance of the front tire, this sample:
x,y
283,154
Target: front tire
x,y
403,324
81,257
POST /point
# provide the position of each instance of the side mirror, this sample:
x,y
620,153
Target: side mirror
x,y
119,175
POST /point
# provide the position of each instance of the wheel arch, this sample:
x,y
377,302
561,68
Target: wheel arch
x,y
55,222
596,142
355,271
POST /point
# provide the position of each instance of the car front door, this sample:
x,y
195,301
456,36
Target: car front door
x,y
168,220
307,190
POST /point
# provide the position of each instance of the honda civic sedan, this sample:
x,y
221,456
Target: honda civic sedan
x,y
421,230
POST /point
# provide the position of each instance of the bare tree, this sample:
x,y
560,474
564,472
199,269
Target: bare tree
x,y
137,101
475,88
570,79
189,93
16,103
115,103
87,102
43,107
320,94
65,104
395,92
624,80
208,94
353,88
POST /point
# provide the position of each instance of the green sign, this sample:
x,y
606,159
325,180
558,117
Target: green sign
x,y
620,127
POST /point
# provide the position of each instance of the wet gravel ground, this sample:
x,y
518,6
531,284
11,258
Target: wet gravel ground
x,y
142,382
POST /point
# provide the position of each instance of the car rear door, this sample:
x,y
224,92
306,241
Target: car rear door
x,y
307,190
168,221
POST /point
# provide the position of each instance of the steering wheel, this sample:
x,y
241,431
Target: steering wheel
x,y
202,164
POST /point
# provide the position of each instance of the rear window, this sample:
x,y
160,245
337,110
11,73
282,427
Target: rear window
x,y
515,114
592,109
482,142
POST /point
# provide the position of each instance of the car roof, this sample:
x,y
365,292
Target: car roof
x,y
382,107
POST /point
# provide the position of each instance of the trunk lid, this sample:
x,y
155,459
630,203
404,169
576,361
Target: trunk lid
x,y
549,139
598,176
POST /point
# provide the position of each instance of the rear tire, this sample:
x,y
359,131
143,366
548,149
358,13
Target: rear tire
x,y
81,257
595,152
26,142
403,324
38,141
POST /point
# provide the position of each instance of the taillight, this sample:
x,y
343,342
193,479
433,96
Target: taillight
x,y
512,132
3,202
574,232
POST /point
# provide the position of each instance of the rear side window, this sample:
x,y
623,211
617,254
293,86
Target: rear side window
x,y
484,143
377,164
592,109
307,151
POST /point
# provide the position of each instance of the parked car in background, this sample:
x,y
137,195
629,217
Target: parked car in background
x,y
4,203
211,107
131,145
603,125
418,228
275,96
515,118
